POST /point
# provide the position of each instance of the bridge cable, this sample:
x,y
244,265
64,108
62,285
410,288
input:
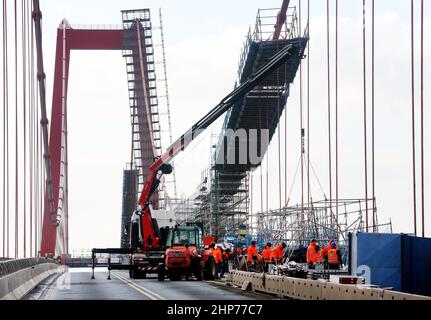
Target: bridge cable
x,y
308,105
422,120
16,130
31,122
24,115
336,114
301,109
279,133
364,47
373,168
413,114
6,216
329,100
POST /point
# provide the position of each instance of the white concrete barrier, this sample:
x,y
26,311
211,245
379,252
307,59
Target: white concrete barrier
x,y
305,289
16,285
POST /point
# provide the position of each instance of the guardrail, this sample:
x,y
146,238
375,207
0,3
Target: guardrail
x,y
20,276
305,289
11,266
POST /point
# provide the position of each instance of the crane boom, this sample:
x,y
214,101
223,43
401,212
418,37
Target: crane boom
x,y
162,166
281,19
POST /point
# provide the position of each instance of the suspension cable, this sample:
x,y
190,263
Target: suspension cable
x,y
16,131
336,111
413,114
308,103
301,116
329,99
373,167
422,120
24,116
5,135
365,113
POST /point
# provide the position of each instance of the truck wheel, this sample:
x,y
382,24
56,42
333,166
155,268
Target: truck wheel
x,y
132,274
161,273
210,269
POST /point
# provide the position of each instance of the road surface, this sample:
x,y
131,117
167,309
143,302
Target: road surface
x,y
76,284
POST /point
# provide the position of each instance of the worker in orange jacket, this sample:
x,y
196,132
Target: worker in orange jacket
x,y
266,253
239,251
252,253
218,259
312,254
334,257
278,253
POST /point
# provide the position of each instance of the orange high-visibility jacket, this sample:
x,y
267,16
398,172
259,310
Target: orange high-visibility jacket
x,y
325,250
252,251
218,255
312,256
266,254
277,253
333,256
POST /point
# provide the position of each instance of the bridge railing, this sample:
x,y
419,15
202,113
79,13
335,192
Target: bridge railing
x,y
11,266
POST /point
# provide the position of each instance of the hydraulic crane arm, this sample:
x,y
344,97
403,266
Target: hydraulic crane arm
x,y
281,19
162,166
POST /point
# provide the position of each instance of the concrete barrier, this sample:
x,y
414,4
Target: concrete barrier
x,y
305,289
15,285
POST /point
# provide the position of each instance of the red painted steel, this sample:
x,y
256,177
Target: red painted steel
x,y
75,40
281,19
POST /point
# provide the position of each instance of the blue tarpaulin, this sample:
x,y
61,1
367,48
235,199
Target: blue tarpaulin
x,y
397,261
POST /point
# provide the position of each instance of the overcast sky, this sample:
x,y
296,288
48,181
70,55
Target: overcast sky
x,y
203,45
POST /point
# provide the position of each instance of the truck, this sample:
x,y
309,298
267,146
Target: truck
x,y
148,243
187,255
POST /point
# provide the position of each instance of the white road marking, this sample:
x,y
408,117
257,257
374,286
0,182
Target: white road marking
x,y
146,292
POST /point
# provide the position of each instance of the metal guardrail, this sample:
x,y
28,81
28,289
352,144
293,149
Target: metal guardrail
x,y
11,266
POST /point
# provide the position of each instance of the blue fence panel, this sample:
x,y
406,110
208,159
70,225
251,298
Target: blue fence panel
x,y
416,265
382,254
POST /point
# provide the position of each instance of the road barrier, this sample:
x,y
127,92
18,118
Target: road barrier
x,y
20,276
305,289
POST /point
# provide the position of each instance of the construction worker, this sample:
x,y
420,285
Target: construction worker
x,y
252,253
278,253
319,254
334,257
312,255
212,247
227,255
266,253
239,251
218,259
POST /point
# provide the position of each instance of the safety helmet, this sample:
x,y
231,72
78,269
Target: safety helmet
x,y
333,244
269,244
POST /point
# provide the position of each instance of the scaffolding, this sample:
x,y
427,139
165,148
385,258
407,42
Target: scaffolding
x,y
318,220
141,77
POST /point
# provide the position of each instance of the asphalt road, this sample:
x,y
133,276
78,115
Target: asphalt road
x,y
76,284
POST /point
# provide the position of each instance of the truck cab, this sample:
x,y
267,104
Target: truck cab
x,y
186,255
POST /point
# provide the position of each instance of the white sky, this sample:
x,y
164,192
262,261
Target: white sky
x,y
203,44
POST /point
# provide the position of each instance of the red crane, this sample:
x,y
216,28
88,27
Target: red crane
x,y
161,166
281,19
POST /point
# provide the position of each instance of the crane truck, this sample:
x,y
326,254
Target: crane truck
x,y
148,243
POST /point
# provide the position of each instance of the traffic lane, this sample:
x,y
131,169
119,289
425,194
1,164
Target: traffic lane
x,y
76,284
194,290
